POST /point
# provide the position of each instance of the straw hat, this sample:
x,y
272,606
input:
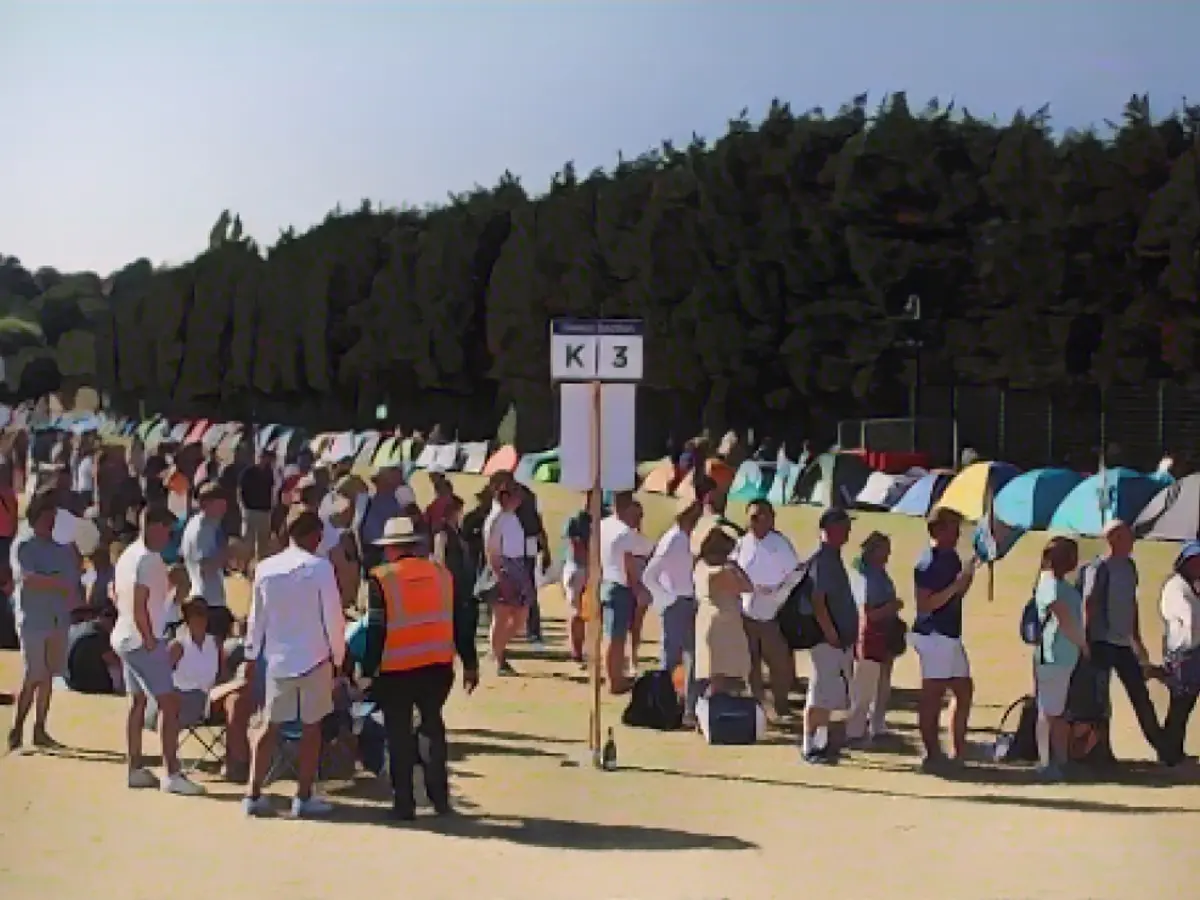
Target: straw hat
x,y
707,528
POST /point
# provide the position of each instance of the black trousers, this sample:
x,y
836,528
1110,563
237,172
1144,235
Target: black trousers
x,y
1175,727
1124,662
398,694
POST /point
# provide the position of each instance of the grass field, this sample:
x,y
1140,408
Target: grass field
x,y
679,820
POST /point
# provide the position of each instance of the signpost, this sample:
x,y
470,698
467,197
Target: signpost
x,y
597,363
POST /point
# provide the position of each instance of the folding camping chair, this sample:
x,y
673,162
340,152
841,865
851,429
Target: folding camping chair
x,y
209,734
285,763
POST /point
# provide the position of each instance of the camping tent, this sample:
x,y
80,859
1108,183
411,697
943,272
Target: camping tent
x,y
383,453
968,493
213,435
718,471
196,432
368,444
179,432
474,457
548,471
783,485
1030,499
659,479
752,481
528,464
920,498
505,459
1173,514
883,491
1118,493
832,479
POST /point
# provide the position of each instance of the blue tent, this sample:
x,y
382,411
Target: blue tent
x,y
752,481
1029,500
783,485
919,498
1113,494
528,465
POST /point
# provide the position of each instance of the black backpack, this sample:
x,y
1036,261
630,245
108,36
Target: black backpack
x,y
1019,745
795,617
653,703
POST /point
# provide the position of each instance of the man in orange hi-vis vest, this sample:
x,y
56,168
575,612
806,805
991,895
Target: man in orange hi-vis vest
x,y
412,639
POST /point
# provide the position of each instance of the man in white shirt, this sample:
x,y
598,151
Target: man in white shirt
x,y
668,577
767,558
622,551
297,631
142,590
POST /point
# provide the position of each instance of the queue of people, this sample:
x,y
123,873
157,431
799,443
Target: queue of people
x,y
154,620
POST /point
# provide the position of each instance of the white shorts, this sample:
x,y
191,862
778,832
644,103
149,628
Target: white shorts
x,y
829,683
942,658
574,581
1053,685
307,697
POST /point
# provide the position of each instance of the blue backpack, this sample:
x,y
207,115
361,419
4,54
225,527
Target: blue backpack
x,y
1033,625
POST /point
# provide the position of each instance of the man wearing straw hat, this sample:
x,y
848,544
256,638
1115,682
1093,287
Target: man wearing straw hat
x,y
413,636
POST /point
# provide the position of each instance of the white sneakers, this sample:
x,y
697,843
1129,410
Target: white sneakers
x,y
175,784
182,785
311,808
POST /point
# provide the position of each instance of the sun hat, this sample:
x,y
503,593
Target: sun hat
x,y
399,530
705,529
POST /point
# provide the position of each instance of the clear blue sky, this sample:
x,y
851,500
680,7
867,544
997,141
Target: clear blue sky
x,y
129,126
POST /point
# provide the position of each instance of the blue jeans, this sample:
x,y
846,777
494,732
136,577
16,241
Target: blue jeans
x,y
679,646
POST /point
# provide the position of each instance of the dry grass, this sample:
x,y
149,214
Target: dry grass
x,y
681,820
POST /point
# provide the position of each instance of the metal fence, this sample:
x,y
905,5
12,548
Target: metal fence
x,y
1136,425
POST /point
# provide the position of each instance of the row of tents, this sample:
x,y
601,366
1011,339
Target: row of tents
x,y
1057,499
1052,498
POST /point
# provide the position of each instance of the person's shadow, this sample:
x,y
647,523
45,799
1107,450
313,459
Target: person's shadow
x,y
540,832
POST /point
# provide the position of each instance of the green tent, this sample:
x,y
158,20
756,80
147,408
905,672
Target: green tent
x,y
832,479
548,472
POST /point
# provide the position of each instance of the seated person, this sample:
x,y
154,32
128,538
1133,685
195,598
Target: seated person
x,y
196,660
99,577
92,666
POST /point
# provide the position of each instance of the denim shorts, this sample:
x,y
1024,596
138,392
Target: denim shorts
x,y
618,603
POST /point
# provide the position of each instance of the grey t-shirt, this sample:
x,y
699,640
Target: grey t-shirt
x,y
201,541
42,610
830,579
1119,610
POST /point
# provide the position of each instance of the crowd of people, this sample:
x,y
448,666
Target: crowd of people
x,y
362,599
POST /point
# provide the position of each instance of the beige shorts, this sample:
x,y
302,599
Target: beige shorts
x,y
829,683
307,697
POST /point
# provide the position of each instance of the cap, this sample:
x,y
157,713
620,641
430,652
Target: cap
x,y
400,530
1190,550
832,516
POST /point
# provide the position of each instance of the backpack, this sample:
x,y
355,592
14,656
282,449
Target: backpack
x,y
795,617
1020,744
653,703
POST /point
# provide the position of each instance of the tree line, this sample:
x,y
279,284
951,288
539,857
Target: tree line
x,y
773,267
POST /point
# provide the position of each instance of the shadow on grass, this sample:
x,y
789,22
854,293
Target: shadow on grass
x,y
968,775
561,833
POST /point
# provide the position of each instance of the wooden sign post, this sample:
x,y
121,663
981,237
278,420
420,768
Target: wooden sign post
x,y
597,363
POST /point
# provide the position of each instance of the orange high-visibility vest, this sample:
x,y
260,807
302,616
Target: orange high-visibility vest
x,y
418,595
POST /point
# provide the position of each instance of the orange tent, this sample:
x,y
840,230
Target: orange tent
x,y
659,479
720,472
503,460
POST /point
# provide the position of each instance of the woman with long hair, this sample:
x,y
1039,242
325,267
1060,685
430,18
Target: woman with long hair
x,y
1060,646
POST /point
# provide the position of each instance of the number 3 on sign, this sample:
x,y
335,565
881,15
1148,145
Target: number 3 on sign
x,y
620,357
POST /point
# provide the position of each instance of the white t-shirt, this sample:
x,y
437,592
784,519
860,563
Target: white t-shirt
x,y
508,530
139,566
767,562
618,540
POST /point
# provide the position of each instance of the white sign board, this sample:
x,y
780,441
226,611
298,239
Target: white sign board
x,y
596,350
618,416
